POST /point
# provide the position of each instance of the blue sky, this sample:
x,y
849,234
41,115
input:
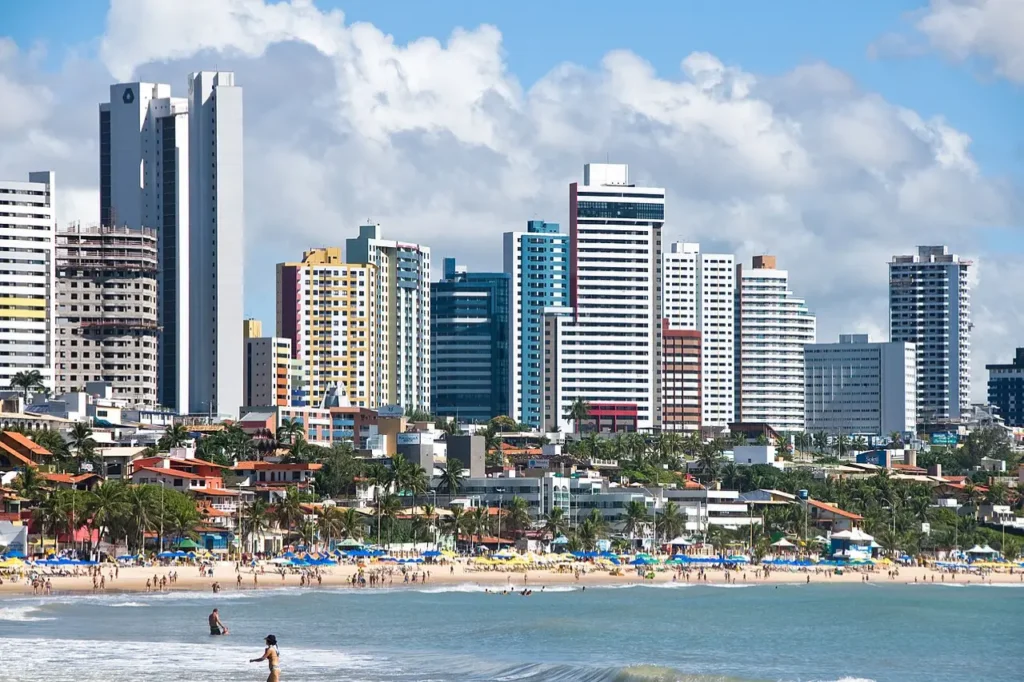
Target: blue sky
x,y
764,37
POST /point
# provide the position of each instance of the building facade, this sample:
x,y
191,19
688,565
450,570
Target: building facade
x,y
606,350
469,344
681,376
930,306
1006,389
859,387
402,302
272,375
107,317
216,243
772,328
144,168
327,310
537,261
700,293
27,251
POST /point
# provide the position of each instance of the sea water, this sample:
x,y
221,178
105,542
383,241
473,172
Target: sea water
x,y
460,633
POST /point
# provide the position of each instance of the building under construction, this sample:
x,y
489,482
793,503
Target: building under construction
x,y
107,311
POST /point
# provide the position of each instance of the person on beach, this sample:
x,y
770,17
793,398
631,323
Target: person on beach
x,y
216,626
273,658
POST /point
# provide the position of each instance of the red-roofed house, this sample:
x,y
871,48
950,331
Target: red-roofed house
x,y
179,470
18,451
830,517
75,481
271,474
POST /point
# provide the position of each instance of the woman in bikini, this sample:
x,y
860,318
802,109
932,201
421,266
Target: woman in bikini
x,y
273,658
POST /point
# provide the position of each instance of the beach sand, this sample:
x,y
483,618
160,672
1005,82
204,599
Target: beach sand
x,y
133,579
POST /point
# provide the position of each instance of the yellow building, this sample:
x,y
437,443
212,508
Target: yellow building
x,y
327,308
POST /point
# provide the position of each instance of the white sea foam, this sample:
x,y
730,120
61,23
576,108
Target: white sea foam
x,y
128,604
21,614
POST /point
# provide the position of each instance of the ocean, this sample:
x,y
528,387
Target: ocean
x,y
459,633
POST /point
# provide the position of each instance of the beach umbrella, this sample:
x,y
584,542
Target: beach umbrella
x,y
15,554
188,543
432,553
165,555
179,554
783,542
359,553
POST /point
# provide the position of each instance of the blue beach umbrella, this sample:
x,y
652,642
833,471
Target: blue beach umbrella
x,y
432,553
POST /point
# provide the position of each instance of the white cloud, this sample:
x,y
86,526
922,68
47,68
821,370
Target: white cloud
x,y
991,29
441,144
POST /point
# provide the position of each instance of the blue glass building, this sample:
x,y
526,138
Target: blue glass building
x,y
538,263
469,349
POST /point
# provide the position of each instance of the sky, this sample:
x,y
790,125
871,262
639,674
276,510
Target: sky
x,y
832,135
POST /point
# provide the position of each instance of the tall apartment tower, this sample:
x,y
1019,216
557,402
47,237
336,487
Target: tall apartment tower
x,y
930,306
469,344
327,310
107,311
537,261
402,302
700,294
607,349
27,264
772,328
216,224
144,167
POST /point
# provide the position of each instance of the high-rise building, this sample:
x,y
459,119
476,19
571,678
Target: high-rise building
x,y
469,344
772,328
216,244
1006,389
27,265
252,328
607,350
144,167
107,311
272,375
930,306
859,387
327,309
538,263
403,305
700,294
680,379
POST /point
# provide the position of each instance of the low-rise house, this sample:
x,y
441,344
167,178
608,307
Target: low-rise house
x,y
263,474
18,451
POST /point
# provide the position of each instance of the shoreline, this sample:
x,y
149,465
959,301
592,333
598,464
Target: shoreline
x,y
132,580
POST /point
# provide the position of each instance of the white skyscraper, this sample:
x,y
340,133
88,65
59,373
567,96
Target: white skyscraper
x,y
27,264
605,349
216,225
772,328
403,314
930,306
859,387
700,294
144,148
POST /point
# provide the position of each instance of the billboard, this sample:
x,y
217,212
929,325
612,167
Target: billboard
x,y
390,411
945,439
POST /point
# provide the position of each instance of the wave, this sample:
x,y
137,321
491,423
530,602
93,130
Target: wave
x,y
128,604
22,614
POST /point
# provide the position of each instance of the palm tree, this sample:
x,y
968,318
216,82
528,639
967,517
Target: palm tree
x,y
858,444
973,496
255,520
82,443
670,523
998,493
141,513
288,511
555,523
579,410
518,515
895,440
289,430
54,514
458,523
104,506
820,439
452,476
298,451
352,524
389,506
175,436
710,459
636,518
329,525
481,520
27,382
29,484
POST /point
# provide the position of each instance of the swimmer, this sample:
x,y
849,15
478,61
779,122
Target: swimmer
x,y
216,626
273,658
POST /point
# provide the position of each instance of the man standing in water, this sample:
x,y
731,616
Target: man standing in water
x,y
216,626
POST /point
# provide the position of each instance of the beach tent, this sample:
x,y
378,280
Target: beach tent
x,y
978,549
783,542
350,543
188,543
560,540
680,541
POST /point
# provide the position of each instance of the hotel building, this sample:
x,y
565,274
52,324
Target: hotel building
x,y
27,300
700,294
930,306
772,328
537,261
469,344
327,310
606,347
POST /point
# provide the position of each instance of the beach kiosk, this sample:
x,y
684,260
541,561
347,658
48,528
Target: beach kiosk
x,y
851,544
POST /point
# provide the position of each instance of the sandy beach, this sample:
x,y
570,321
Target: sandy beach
x,y
133,579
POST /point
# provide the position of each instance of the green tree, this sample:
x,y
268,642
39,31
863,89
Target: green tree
x,y
175,436
670,523
105,507
288,511
636,518
289,431
28,382
452,476
710,461
353,524
53,515
517,516
30,484
555,523
256,519
579,410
